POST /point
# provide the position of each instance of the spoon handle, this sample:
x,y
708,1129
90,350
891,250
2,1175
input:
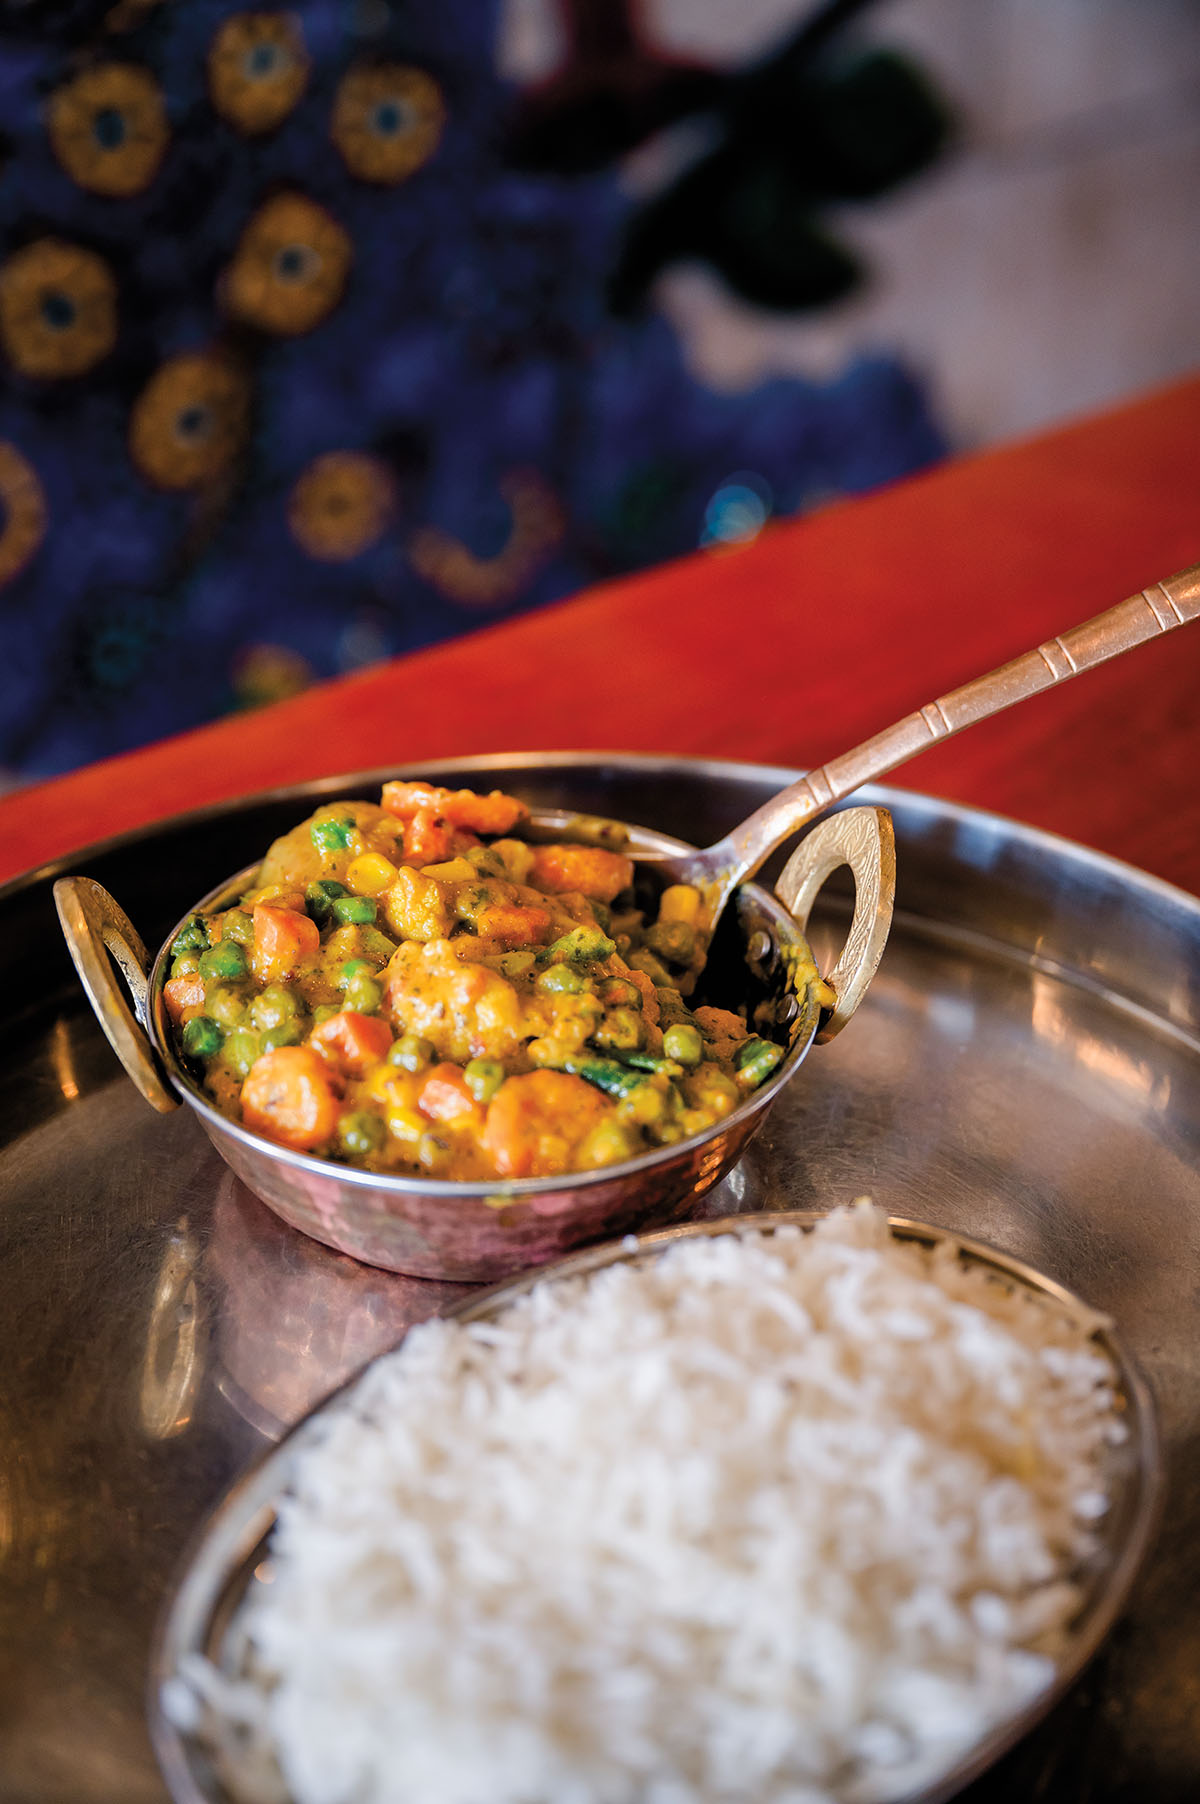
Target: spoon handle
x,y
1156,610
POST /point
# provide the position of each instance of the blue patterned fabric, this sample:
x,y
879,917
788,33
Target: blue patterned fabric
x,y
298,374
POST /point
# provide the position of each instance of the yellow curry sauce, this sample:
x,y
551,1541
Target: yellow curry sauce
x,y
411,987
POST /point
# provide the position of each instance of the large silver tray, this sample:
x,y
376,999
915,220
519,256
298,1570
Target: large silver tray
x,y
1026,1070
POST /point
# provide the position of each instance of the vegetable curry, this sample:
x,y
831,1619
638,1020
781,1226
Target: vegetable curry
x,y
413,987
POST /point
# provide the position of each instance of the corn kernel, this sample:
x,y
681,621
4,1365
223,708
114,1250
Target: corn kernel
x,y
680,902
370,875
451,870
406,1125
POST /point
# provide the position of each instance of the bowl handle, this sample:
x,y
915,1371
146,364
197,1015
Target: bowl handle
x,y
93,925
864,839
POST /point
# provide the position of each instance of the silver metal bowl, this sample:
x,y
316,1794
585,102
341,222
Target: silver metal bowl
x,y
220,1565
481,1231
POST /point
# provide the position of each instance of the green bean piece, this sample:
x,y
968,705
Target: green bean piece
x,y
363,994
483,1078
355,911
332,833
192,936
185,964
202,1037
320,897
241,1049
561,980
361,1133
411,1052
223,961
755,1060
606,1074
683,1043
579,944
238,925
672,939
272,1007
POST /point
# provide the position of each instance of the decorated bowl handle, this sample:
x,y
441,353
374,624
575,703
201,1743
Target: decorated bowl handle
x,y
94,926
862,838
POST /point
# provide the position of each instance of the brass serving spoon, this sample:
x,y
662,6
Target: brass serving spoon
x,y
720,868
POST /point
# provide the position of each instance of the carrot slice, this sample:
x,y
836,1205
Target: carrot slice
x,y
180,993
536,1121
283,938
426,840
289,1096
352,1040
589,869
492,813
444,1095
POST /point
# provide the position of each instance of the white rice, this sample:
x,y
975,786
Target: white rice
x,y
777,1518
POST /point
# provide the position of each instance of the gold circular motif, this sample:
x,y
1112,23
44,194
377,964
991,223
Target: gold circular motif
x,y
108,128
341,505
461,575
268,673
388,120
258,68
290,266
58,309
190,420
22,512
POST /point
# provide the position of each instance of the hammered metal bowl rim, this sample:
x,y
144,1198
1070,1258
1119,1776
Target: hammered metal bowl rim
x,y
216,1563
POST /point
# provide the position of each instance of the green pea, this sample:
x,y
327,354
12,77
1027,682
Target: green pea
x,y
274,1006
353,968
225,1005
223,961
321,896
561,980
238,925
185,964
288,1033
483,1078
361,1133
611,1142
363,994
683,1044
620,1030
354,911
672,939
192,936
332,833
241,1049
323,1011
411,1052
202,1037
